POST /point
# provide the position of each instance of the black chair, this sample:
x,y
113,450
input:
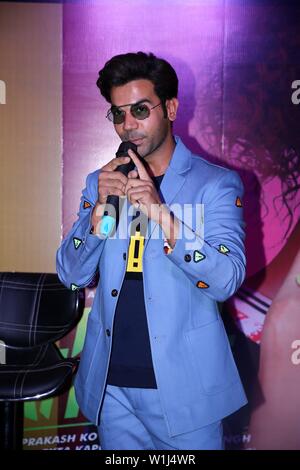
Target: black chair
x,y
35,311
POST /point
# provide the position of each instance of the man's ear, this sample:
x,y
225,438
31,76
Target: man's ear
x,y
172,106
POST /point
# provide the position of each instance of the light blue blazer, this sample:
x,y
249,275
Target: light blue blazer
x,y
197,378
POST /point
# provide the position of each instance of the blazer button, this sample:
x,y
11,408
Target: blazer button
x,y
187,258
114,292
108,332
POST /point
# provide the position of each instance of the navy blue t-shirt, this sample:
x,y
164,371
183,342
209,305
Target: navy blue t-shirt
x,y
131,359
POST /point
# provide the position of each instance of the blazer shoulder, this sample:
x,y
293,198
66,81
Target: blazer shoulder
x,y
92,179
91,187
213,172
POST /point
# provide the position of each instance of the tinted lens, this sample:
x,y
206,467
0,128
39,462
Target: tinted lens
x,y
140,111
116,115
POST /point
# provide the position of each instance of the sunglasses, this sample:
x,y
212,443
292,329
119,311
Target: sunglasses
x,y
139,111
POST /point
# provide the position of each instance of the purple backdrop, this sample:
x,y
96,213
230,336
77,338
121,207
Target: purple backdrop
x,y
236,61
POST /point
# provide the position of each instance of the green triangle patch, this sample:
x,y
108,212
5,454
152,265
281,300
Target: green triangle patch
x,y
77,242
198,256
74,287
223,249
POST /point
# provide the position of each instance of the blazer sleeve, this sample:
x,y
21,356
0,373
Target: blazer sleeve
x,y
78,256
214,260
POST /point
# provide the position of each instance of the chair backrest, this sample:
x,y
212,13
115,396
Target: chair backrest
x,y
36,308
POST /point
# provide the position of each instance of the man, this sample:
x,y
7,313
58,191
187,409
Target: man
x,y
156,370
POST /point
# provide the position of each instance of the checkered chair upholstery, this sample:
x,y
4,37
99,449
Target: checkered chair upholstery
x,y
35,311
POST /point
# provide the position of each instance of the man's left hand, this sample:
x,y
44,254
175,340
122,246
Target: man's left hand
x,y
141,191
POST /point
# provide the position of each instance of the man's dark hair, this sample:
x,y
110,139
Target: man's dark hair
x,y
124,68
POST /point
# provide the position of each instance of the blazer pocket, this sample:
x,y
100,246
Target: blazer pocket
x,y
212,356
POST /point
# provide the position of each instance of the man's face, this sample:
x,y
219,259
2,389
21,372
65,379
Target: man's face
x,y
150,133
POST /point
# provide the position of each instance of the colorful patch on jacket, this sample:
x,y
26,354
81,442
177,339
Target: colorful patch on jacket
x,y
202,285
223,249
198,256
238,202
86,204
167,247
135,253
77,242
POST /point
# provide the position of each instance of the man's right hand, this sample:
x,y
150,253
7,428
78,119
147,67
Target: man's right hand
x,y
110,182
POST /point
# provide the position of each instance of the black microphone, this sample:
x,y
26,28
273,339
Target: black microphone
x,y
110,218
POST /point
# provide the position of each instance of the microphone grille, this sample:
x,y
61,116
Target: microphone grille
x,y
124,147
